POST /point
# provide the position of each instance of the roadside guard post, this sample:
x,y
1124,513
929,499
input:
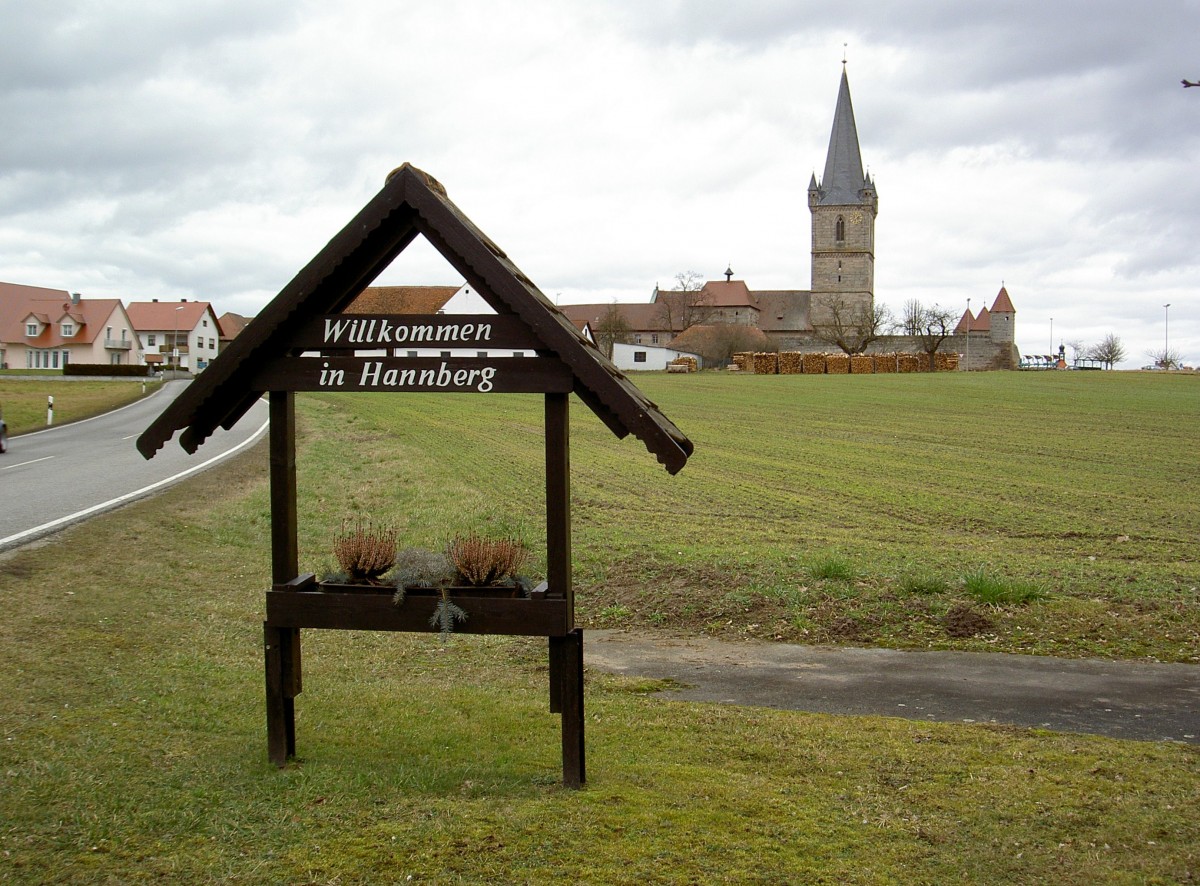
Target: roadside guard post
x,y
294,345
49,410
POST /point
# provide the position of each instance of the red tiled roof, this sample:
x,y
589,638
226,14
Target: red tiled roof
x,y
1003,305
160,316
982,323
729,294
231,325
401,300
641,316
50,307
966,324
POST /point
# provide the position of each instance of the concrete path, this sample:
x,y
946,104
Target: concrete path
x,y
1131,700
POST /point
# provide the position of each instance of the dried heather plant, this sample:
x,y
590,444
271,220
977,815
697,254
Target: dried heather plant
x,y
483,561
364,551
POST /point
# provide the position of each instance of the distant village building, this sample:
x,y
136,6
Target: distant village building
x,y
180,334
844,204
51,328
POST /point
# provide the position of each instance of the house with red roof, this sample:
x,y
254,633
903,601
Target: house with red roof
x,y
44,328
176,334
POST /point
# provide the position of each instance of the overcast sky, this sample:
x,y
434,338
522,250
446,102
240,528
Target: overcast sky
x,y
207,150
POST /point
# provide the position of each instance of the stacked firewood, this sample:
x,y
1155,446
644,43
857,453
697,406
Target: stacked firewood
x,y
945,362
886,362
837,364
814,364
791,363
766,363
689,363
908,362
861,363
744,361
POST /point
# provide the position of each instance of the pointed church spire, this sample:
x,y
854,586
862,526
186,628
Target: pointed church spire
x,y
843,179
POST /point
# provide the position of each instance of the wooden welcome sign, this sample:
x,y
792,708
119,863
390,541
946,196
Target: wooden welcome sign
x,y
303,342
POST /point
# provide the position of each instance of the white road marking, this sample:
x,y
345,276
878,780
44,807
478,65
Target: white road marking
x,y
129,496
22,464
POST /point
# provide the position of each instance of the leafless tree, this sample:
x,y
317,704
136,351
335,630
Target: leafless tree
x,y
687,305
935,325
910,319
1108,351
1165,358
852,327
611,328
718,343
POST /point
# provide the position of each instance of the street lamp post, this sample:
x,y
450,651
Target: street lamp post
x,y
1166,335
175,344
1051,335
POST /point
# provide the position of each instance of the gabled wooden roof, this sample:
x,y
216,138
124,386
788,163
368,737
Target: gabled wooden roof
x,y
410,203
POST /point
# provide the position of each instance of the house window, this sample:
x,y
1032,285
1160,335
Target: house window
x,y
639,356
212,345
637,339
66,357
654,338
206,324
151,340
31,329
841,229
68,330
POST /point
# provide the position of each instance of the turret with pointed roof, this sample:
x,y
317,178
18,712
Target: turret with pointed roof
x,y
844,204
1003,318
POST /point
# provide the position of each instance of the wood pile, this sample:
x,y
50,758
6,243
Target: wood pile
x,y
945,362
837,364
886,362
907,362
766,363
744,361
814,364
689,364
860,364
922,362
791,363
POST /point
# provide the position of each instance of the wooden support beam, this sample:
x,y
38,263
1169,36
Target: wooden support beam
x,y
573,751
282,644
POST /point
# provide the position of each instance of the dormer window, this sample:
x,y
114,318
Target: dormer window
x,y
68,329
31,329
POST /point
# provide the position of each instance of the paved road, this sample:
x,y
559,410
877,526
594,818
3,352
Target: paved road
x,y
1133,700
58,476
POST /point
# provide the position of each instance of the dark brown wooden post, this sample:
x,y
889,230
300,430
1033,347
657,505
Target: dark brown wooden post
x,y
565,653
282,645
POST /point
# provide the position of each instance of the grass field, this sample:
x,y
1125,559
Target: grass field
x,y
131,681
23,399
825,509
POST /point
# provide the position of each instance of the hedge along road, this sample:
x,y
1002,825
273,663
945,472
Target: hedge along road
x,y
53,478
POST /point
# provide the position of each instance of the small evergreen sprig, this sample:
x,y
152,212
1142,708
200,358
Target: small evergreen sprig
x,y
446,614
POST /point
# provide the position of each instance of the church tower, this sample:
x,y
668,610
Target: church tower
x,y
843,204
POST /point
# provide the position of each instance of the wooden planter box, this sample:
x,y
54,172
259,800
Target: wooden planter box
x,y
306,603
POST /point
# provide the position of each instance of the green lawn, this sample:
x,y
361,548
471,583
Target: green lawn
x,y
23,401
131,682
1073,493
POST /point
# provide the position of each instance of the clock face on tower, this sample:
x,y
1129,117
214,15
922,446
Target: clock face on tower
x,y
856,218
